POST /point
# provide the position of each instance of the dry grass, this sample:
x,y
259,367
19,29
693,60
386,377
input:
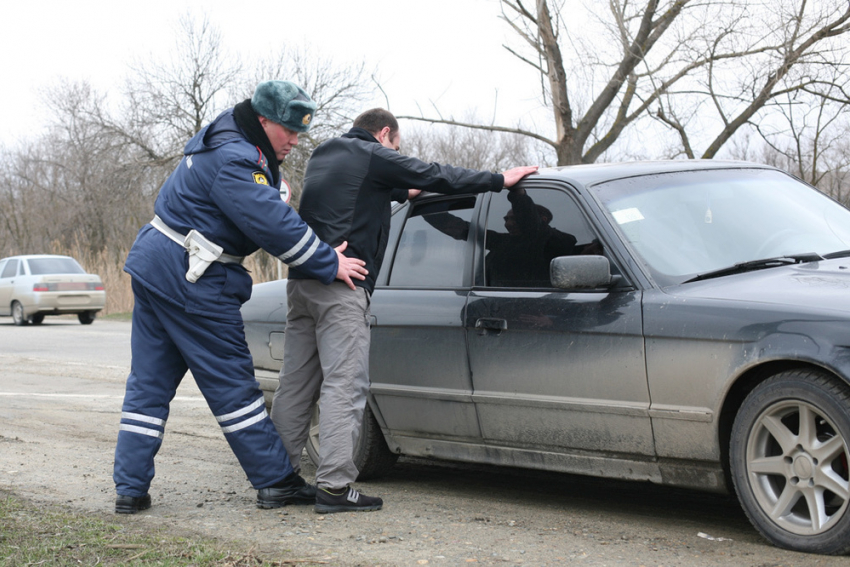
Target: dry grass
x,y
109,265
34,534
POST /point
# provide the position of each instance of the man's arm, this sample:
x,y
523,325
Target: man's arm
x,y
403,195
448,224
397,170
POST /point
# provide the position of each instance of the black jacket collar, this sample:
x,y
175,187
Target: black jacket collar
x,y
360,134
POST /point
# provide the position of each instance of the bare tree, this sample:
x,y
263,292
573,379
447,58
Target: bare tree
x,y
72,184
16,204
471,148
168,102
702,70
92,180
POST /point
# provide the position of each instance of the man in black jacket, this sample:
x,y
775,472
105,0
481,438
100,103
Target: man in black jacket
x,y
348,187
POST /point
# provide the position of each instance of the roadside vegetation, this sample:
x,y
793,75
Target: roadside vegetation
x,y
32,534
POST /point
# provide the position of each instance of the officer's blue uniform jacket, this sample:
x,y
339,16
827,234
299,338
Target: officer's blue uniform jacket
x,y
221,188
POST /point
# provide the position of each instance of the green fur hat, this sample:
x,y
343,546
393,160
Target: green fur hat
x,y
285,103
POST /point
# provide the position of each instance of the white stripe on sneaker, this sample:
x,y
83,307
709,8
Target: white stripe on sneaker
x,y
353,496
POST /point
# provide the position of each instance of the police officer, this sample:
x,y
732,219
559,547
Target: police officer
x,y
222,203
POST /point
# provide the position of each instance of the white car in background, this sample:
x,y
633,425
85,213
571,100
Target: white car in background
x,y
37,285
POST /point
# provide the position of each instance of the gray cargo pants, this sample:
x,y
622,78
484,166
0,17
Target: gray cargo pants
x,y
326,351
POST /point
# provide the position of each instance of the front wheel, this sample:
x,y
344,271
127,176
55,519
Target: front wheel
x,y
18,314
371,455
789,454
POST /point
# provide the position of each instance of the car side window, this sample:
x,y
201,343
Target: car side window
x,y
526,229
10,269
434,248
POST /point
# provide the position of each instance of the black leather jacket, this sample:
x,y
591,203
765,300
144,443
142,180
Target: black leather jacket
x,y
350,183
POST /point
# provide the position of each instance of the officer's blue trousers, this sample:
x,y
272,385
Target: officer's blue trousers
x,y
166,342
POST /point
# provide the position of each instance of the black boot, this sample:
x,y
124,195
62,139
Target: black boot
x,y
291,490
132,504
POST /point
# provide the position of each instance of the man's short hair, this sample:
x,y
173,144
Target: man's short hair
x,y
375,120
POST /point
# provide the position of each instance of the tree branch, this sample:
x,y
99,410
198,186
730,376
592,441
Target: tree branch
x,y
483,127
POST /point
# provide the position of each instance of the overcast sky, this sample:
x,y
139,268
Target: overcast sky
x,y
446,51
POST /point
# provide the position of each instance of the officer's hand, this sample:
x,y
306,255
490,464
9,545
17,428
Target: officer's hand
x,y
512,176
349,267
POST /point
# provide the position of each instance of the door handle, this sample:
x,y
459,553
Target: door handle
x,y
485,324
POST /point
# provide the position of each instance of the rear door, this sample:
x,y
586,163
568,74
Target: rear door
x,y
556,370
418,361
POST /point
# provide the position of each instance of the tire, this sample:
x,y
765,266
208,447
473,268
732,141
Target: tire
x,y
18,314
37,318
789,461
371,455
86,317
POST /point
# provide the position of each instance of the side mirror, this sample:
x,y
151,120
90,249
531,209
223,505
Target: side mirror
x,y
580,272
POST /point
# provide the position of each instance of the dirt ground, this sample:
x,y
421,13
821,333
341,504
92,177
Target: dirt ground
x,y
60,396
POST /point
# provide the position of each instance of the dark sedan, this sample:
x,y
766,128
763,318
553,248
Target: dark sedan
x,y
685,323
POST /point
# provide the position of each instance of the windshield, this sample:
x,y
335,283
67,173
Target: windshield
x,y
42,266
688,223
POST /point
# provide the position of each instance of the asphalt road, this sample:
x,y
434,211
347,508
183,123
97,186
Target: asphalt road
x,y
61,386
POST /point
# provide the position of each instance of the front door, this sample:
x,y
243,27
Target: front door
x,y
553,369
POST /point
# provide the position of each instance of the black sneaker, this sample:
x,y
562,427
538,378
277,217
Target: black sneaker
x,y
348,500
291,490
132,504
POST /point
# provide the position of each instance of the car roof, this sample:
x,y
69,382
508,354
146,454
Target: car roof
x,y
593,173
32,256
590,174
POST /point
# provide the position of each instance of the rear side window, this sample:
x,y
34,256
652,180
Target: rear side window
x,y
10,269
41,266
434,248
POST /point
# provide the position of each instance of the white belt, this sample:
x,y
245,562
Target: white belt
x,y
180,239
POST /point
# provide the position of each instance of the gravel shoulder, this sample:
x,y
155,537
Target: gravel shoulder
x,y
60,396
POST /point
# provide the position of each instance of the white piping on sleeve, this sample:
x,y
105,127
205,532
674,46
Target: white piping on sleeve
x,y
298,247
307,255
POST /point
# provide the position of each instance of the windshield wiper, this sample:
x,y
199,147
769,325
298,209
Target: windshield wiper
x,y
753,265
839,254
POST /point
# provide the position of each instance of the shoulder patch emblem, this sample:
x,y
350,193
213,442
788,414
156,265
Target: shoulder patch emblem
x,y
260,177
